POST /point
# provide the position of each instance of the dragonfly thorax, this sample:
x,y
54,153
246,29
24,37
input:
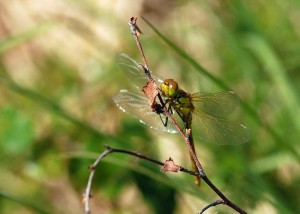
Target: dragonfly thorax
x,y
183,104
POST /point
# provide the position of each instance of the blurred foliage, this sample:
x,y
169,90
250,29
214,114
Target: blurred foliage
x,y
58,77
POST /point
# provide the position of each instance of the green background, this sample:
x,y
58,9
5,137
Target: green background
x,y
58,75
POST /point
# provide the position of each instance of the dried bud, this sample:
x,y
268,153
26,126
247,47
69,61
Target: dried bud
x,y
151,91
170,166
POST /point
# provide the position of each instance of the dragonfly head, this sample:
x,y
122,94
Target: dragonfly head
x,y
169,88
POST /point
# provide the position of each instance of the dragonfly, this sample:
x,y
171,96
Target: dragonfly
x,y
202,113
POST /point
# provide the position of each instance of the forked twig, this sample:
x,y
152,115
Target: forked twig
x,y
151,90
87,195
168,166
211,205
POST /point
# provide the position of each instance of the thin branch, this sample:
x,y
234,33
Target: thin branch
x,y
136,32
211,205
221,195
166,168
87,195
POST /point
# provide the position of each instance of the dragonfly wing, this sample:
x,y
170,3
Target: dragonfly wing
x,y
218,104
136,104
218,130
132,70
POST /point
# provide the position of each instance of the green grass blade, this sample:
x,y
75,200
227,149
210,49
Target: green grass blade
x,y
277,74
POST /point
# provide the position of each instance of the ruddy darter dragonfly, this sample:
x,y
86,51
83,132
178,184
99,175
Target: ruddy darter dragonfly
x,y
201,112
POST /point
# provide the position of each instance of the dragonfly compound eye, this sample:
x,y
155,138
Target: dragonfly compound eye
x,y
169,88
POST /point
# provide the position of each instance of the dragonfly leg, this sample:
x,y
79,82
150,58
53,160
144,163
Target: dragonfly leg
x,y
157,108
165,123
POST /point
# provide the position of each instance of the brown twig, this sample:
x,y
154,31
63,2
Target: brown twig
x,y
135,32
87,195
165,167
211,205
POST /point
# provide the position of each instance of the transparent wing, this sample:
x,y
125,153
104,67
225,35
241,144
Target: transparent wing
x,y
218,130
218,104
133,71
136,104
